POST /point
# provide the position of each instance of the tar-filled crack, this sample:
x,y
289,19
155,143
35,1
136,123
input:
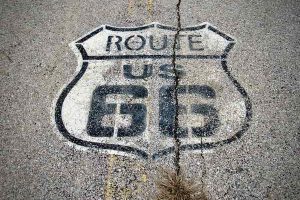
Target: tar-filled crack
x,y
204,167
176,83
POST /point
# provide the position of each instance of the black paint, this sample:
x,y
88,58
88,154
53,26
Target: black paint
x,y
147,72
90,35
138,125
117,43
220,33
150,41
143,42
178,42
167,111
162,47
99,109
193,41
120,29
238,134
213,120
167,71
62,129
85,56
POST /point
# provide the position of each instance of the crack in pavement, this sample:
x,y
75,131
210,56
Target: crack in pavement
x,y
204,172
177,142
176,83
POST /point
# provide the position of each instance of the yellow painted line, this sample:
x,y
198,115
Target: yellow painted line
x,y
143,178
109,189
130,6
126,193
150,7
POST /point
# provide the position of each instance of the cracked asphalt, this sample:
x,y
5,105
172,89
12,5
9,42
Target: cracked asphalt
x,y
176,84
36,62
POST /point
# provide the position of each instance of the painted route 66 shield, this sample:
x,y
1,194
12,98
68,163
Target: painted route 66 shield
x,y
122,101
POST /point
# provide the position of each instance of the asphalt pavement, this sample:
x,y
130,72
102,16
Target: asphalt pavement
x,y
252,147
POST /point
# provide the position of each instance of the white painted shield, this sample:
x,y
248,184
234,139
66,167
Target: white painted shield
x,y
121,99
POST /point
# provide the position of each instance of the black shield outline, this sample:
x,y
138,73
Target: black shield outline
x,y
135,151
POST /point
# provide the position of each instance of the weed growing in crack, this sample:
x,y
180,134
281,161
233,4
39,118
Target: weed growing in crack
x,y
171,186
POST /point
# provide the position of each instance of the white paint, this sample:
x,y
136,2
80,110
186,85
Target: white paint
x,y
228,101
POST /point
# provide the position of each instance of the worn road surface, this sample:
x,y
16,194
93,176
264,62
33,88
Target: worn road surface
x,y
36,62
